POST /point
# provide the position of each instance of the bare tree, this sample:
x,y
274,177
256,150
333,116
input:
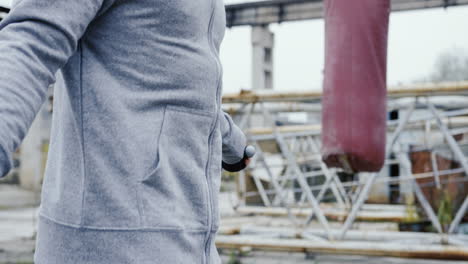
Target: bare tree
x,y
451,65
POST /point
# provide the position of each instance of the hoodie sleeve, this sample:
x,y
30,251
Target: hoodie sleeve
x,y
37,38
234,140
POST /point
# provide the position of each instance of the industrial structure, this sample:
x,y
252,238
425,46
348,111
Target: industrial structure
x,y
289,200
288,179
423,185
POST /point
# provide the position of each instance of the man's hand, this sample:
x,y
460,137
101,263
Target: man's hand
x,y
249,152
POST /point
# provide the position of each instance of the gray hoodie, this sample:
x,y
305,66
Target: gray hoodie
x,y
138,134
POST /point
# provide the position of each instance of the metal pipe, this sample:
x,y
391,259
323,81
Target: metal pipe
x,y
357,206
359,235
330,213
440,89
458,217
406,164
348,248
450,140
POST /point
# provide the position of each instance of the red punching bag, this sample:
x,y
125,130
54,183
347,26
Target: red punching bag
x,y
354,99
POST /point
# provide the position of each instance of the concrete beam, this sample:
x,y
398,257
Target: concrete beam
x,y
277,11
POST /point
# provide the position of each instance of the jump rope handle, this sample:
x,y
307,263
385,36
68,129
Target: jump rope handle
x,y
249,152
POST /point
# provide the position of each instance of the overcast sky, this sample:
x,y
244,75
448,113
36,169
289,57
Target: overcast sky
x,y
416,38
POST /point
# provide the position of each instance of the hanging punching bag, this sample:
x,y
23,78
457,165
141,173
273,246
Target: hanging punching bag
x,y
354,99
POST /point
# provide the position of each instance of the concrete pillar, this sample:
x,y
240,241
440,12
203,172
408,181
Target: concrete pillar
x,y
263,41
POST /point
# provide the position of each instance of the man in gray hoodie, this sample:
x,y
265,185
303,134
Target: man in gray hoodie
x,y
138,134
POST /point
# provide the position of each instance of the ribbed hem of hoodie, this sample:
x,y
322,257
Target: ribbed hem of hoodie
x,y
57,243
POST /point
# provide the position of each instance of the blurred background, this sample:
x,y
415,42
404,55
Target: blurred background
x,y
289,207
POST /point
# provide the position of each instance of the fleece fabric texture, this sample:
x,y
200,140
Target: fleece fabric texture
x,y
138,133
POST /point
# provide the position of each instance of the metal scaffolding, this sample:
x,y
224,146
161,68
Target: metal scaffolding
x,y
290,179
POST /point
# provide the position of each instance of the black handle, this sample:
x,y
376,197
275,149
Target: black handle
x,y
249,152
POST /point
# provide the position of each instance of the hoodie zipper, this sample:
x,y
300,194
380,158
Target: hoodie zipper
x,y
210,138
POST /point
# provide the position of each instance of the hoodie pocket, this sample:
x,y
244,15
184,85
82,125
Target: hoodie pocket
x,y
174,194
